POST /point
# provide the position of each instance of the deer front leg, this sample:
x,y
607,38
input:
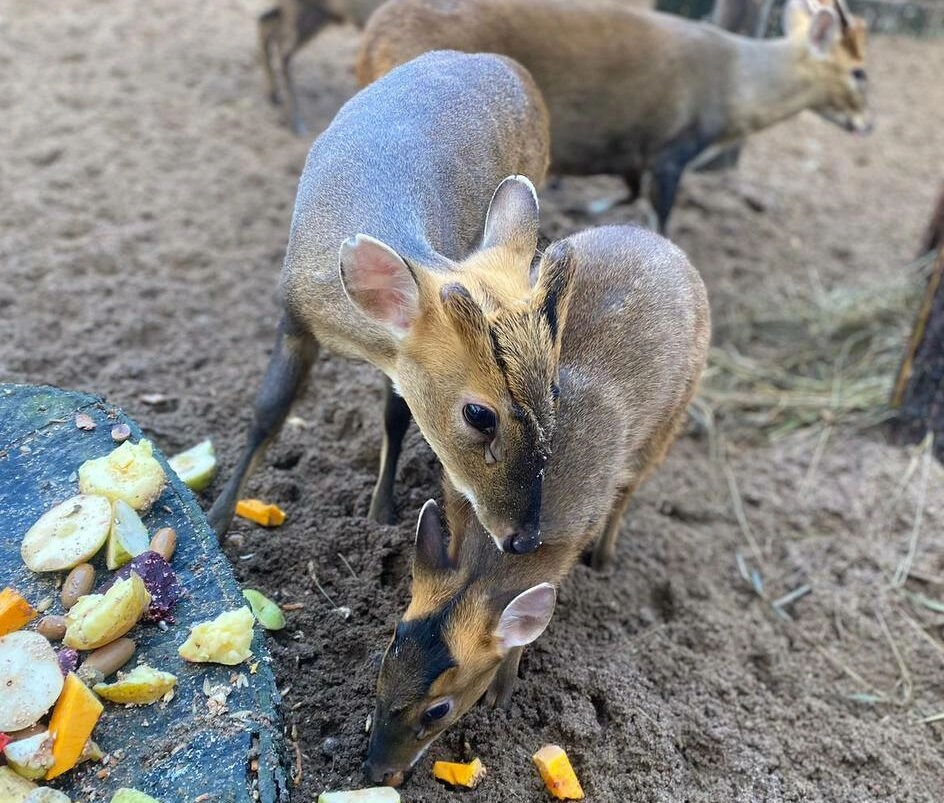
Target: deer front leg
x,y
397,419
499,693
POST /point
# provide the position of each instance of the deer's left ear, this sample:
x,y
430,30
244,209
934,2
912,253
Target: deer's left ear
x,y
512,219
824,31
526,616
432,540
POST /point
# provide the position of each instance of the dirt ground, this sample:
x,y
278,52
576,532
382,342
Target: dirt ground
x,y
146,190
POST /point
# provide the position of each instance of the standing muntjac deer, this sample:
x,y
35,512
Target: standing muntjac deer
x,y
635,339
637,93
390,239
289,25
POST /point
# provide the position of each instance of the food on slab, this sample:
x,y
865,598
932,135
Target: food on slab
x,y
44,794
224,640
69,534
143,685
73,719
130,472
557,773
68,660
106,661
268,515
77,584
164,542
128,537
469,775
30,757
15,611
375,794
52,626
14,788
267,613
97,619
160,580
126,795
196,467
29,677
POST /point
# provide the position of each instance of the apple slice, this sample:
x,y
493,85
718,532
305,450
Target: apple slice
x,y
14,788
31,757
143,685
30,679
196,467
98,619
69,534
224,640
130,472
128,537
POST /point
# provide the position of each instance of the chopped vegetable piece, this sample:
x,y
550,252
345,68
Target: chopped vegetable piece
x,y
130,472
14,788
160,581
196,467
43,794
71,724
459,774
68,660
29,677
4,741
267,613
224,640
260,512
68,534
15,611
376,794
126,795
128,537
143,685
559,777
120,433
106,661
97,619
30,757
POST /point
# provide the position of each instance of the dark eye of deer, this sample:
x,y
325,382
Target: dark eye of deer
x,y
859,75
480,418
436,712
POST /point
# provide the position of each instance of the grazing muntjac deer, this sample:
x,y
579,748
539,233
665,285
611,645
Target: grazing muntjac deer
x,y
635,338
289,25
637,93
397,226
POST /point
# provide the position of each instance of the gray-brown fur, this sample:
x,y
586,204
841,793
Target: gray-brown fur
x,y
631,92
632,350
286,27
412,160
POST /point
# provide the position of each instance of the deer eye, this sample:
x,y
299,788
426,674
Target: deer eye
x,y
480,418
859,74
436,712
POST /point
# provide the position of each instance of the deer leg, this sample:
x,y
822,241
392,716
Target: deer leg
x,y
397,419
295,351
269,25
503,684
605,549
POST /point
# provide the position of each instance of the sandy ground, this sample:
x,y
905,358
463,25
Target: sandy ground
x,y
147,188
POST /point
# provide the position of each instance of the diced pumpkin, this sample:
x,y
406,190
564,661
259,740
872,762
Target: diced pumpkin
x,y
73,719
459,774
558,776
15,611
268,515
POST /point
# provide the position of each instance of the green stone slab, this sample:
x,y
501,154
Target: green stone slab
x,y
184,750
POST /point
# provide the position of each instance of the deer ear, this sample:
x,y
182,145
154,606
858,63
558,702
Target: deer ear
x,y
512,218
526,616
823,31
554,284
379,283
432,540
796,16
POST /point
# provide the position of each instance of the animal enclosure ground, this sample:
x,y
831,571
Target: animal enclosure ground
x,y
147,189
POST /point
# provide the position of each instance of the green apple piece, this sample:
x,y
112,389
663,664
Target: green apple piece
x,y
196,467
30,757
126,795
128,537
14,788
267,613
69,534
130,472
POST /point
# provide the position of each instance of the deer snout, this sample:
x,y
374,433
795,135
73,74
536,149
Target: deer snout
x,y
522,542
378,774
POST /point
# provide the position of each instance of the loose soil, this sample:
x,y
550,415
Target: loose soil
x,y
147,188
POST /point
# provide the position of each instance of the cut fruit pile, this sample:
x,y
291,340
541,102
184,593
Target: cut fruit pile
x,y
52,699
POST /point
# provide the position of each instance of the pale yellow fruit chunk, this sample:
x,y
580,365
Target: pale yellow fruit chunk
x,y
30,679
69,534
44,794
129,472
128,537
14,788
98,619
126,795
30,757
196,467
143,685
375,794
224,640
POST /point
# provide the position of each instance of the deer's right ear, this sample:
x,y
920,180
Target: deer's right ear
x,y
432,540
512,218
379,283
796,16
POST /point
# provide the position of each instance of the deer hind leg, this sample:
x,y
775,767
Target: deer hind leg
x,y
270,24
605,549
499,692
301,20
397,419
295,351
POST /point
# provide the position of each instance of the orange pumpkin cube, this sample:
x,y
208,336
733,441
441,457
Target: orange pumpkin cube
x,y
459,774
558,776
73,719
268,515
15,611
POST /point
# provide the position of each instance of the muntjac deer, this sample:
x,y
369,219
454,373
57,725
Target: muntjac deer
x,y
633,349
637,93
397,227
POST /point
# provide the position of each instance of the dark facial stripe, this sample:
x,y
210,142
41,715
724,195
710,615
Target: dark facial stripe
x,y
424,638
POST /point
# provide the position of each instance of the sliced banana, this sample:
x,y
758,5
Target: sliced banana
x,y
129,472
69,534
29,677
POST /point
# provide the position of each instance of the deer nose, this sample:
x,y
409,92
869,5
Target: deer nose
x,y
522,542
379,775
